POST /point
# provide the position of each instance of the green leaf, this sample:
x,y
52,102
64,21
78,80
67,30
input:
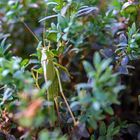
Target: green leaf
x,y
24,62
132,30
52,36
48,17
88,68
102,129
52,3
96,60
109,110
102,138
129,7
137,36
93,123
110,128
62,21
105,64
116,130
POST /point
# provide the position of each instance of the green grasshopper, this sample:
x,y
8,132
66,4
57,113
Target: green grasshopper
x,y
51,73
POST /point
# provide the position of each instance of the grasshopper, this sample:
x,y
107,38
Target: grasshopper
x,y
51,73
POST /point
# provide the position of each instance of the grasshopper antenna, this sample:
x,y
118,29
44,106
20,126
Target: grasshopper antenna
x,y
44,30
30,30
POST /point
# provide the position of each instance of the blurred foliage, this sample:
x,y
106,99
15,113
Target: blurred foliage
x,y
101,91
69,69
